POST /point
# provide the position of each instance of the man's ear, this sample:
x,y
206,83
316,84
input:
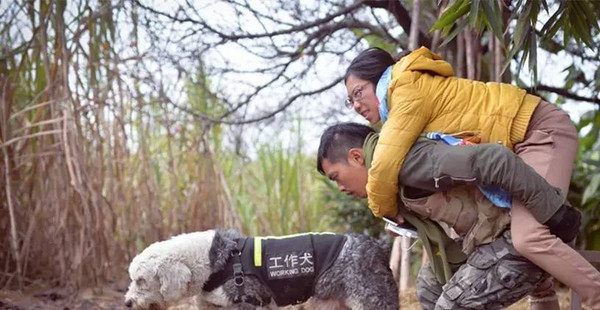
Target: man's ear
x,y
355,156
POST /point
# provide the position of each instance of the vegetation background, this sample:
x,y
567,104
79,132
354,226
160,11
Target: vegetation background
x,y
126,122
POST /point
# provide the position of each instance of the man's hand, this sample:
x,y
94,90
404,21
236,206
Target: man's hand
x,y
399,219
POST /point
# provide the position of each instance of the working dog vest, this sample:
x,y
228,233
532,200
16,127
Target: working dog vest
x,y
289,266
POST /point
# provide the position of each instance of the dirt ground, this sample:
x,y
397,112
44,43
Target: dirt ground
x,y
110,297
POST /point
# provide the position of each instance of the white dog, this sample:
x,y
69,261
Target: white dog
x,y
223,269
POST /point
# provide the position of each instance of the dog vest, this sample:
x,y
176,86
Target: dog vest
x,y
289,266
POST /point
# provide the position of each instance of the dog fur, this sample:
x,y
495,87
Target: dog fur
x,y
168,271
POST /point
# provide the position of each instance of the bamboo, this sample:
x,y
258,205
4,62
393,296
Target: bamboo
x,y
460,55
470,53
14,242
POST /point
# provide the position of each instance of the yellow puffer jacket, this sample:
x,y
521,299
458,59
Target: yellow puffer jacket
x,y
424,96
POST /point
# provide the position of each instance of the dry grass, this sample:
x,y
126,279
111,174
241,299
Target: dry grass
x,y
92,169
95,165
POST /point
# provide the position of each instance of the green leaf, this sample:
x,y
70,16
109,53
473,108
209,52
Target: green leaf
x,y
449,17
459,27
549,45
494,17
533,55
577,18
591,189
554,28
474,11
586,9
522,28
553,19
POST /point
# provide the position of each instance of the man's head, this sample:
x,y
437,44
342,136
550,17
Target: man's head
x,y
341,157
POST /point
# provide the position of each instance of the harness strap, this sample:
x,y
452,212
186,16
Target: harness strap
x,y
233,269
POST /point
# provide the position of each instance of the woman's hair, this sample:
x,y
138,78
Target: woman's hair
x,y
371,63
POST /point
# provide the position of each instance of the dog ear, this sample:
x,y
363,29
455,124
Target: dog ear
x,y
231,233
174,279
222,245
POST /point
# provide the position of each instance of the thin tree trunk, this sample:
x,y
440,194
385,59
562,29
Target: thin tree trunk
x,y
405,264
478,55
14,243
395,258
413,40
506,76
470,53
437,34
460,55
492,56
498,60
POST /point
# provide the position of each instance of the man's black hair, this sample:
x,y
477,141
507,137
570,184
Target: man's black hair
x,y
338,139
370,64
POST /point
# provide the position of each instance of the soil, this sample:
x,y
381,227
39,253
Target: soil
x,y
110,297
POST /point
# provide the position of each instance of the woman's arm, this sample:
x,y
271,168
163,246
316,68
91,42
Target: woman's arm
x,y
409,115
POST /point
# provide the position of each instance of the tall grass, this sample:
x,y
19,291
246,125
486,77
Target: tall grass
x,y
279,192
95,166
93,170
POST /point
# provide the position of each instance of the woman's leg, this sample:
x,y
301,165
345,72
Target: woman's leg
x,y
549,147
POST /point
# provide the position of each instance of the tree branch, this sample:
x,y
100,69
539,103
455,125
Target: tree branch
x,y
401,15
562,92
234,37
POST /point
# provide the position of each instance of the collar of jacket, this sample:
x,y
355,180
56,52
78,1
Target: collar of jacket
x,y
381,91
423,60
443,252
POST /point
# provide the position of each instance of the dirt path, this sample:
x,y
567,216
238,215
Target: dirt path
x,y
110,297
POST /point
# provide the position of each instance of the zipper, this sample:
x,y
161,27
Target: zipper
x,y
453,178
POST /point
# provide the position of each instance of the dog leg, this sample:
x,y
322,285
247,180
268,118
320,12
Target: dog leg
x,y
372,288
204,305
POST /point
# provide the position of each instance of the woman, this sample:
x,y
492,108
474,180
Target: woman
x,y
419,93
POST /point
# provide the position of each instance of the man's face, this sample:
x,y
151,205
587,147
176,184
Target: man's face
x,y
350,176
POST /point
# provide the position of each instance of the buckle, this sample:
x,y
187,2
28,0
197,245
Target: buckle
x,y
238,274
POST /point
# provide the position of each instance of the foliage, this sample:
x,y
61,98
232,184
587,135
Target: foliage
x,y
279,192
585,189
351,213
577,20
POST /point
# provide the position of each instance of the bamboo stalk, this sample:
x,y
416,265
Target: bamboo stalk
x,y
42,123
13,223
33,135
33,107
460,55
470,53
492,56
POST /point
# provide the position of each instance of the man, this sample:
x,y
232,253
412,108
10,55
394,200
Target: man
x,y
495,275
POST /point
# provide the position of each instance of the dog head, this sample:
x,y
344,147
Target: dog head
x,y
156,284
162,274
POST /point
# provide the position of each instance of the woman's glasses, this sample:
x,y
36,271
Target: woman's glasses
x,y
357,95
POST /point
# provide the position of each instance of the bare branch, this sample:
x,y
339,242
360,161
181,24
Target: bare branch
x,y
402,16
234,37
562,92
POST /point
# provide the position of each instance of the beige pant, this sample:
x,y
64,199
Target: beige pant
x,y
549,147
